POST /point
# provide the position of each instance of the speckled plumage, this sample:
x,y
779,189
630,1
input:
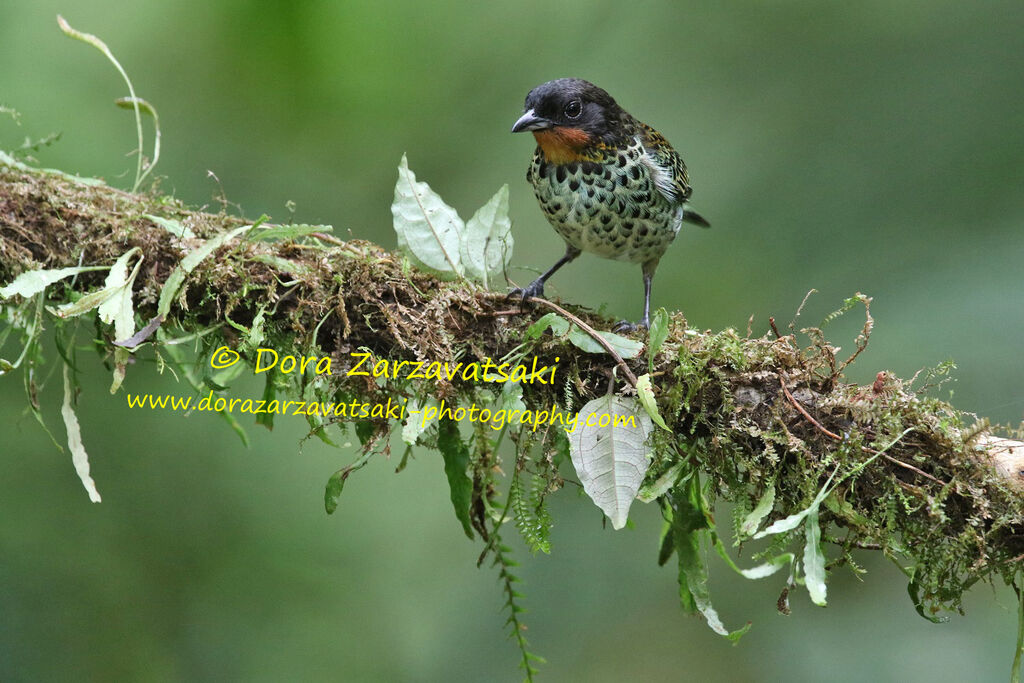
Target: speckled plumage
x,y
612,207
609,184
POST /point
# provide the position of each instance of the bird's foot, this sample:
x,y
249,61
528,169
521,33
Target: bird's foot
x,y
624,326
534,289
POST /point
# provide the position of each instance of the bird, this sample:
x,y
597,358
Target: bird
x,y
608,183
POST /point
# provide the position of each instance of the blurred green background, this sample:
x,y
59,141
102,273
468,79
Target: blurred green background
x,y
874,146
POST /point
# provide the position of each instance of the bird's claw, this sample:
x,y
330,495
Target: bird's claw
x,y
534,289
625,327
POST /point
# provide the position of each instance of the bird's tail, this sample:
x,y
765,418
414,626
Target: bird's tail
x,y
691,216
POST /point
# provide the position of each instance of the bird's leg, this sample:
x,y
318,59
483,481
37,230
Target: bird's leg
x,y
536,288
644,322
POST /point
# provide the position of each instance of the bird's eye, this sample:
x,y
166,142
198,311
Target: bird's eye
x,y
573,109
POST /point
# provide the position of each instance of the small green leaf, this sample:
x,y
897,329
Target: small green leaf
x,y
414,423
645,392
429,231
365,431
177,277
914,589
624,346
690,526
456,462
266,418
657,336
814,560
668,545
335,485
119,311
288,232
172,226
661,485
557,323
761,510
34,281
511,397
487,242
253,337
768,568
79,457
284,265
83,305
793,521
842,507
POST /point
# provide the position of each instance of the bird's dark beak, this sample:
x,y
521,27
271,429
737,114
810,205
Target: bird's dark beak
x,y
530,121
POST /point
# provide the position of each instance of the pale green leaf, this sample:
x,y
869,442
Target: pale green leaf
x,y
487,242
656,336
645,392
625,347
284,265
110,299
661,485
172,226
557,323
34,281
429,231
760,511
703,603
814,560
511,397
188,264
79,458
83,305
256,336
690,527
288,232
7,160
117,310
768,568
793,521
414,419
611,460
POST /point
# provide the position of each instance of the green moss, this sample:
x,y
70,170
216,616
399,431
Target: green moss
x,y
746,413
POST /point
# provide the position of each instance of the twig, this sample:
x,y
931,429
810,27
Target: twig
x,y
910,467
576,321
499,314
593,333
833,435
852,544
796,404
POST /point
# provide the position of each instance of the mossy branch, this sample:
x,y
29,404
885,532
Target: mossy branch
x,y
921,481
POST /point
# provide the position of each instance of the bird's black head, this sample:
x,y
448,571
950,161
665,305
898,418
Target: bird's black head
x,y
570,104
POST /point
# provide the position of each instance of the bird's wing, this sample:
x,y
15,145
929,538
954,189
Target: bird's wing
x,y
666,166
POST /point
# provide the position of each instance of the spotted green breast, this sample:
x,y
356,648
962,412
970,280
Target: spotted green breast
x,y
626,205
